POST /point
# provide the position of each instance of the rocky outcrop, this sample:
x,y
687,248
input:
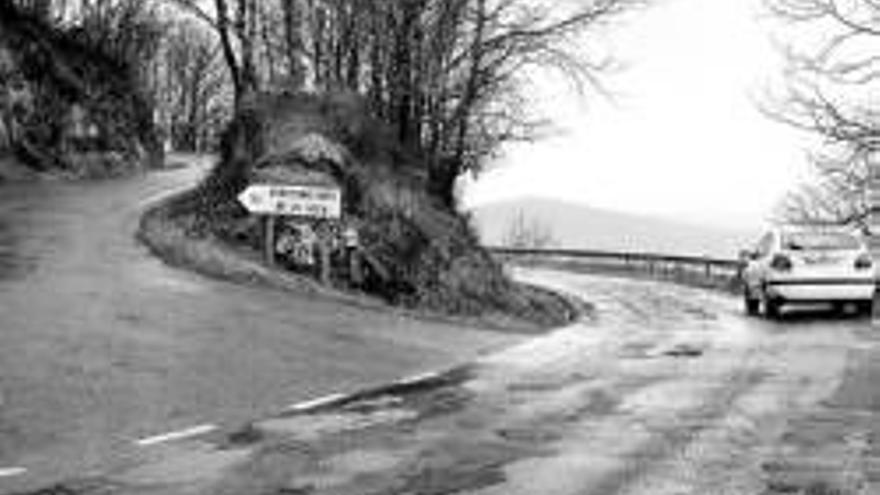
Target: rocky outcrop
x,y
65,106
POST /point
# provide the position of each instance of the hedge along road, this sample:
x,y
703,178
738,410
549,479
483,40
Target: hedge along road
x,y
104,350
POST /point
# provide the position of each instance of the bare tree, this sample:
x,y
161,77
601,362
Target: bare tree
x,y
450,77
831,75
836,195
189,86
238,26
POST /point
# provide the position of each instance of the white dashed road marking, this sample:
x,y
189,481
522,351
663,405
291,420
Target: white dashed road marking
x,y
176,435
421,377
11,472
311,404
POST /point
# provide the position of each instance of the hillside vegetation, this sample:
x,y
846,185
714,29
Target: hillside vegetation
x,y
66,105
415,95
421,253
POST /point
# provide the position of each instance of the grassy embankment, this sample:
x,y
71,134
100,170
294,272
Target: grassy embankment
x,y
423,258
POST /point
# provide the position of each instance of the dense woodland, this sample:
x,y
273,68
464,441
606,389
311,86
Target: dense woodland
x,y
451,77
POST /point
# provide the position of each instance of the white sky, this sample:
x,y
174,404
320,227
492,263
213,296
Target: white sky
x,y
683,138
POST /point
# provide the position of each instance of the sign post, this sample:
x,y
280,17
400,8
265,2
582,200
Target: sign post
x,y
312,202
269,237
351,239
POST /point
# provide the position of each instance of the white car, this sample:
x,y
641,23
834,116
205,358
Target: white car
x,y
808,265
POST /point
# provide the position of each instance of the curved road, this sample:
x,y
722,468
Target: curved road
x,y
101,344
666,391
672,391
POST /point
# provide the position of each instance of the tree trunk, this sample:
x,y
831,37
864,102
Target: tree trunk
x,y
402,63
441,182
353,69
470,94
247,29
223,30
293,42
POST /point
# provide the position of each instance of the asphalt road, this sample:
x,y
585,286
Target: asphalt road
x,y
102,345
667,391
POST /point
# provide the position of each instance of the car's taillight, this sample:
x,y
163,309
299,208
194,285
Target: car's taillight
x,y
864,262
781,262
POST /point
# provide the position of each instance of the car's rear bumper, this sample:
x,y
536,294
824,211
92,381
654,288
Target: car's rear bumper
x,y
845,289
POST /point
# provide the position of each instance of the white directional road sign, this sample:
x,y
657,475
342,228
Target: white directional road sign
x,y
305,201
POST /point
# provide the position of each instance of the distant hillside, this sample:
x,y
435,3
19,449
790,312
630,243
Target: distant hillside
x,y
578,226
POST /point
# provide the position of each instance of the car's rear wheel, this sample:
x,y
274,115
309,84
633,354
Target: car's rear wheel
x,y
752,305
772,308
770,305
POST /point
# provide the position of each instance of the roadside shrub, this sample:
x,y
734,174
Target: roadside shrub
x,y
420,254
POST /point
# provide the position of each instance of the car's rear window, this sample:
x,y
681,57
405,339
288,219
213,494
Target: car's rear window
x,y
822,241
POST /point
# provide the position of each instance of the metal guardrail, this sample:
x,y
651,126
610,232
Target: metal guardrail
x,y
691,270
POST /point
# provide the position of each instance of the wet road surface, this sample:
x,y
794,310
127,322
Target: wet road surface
x,y
101,344
665,391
